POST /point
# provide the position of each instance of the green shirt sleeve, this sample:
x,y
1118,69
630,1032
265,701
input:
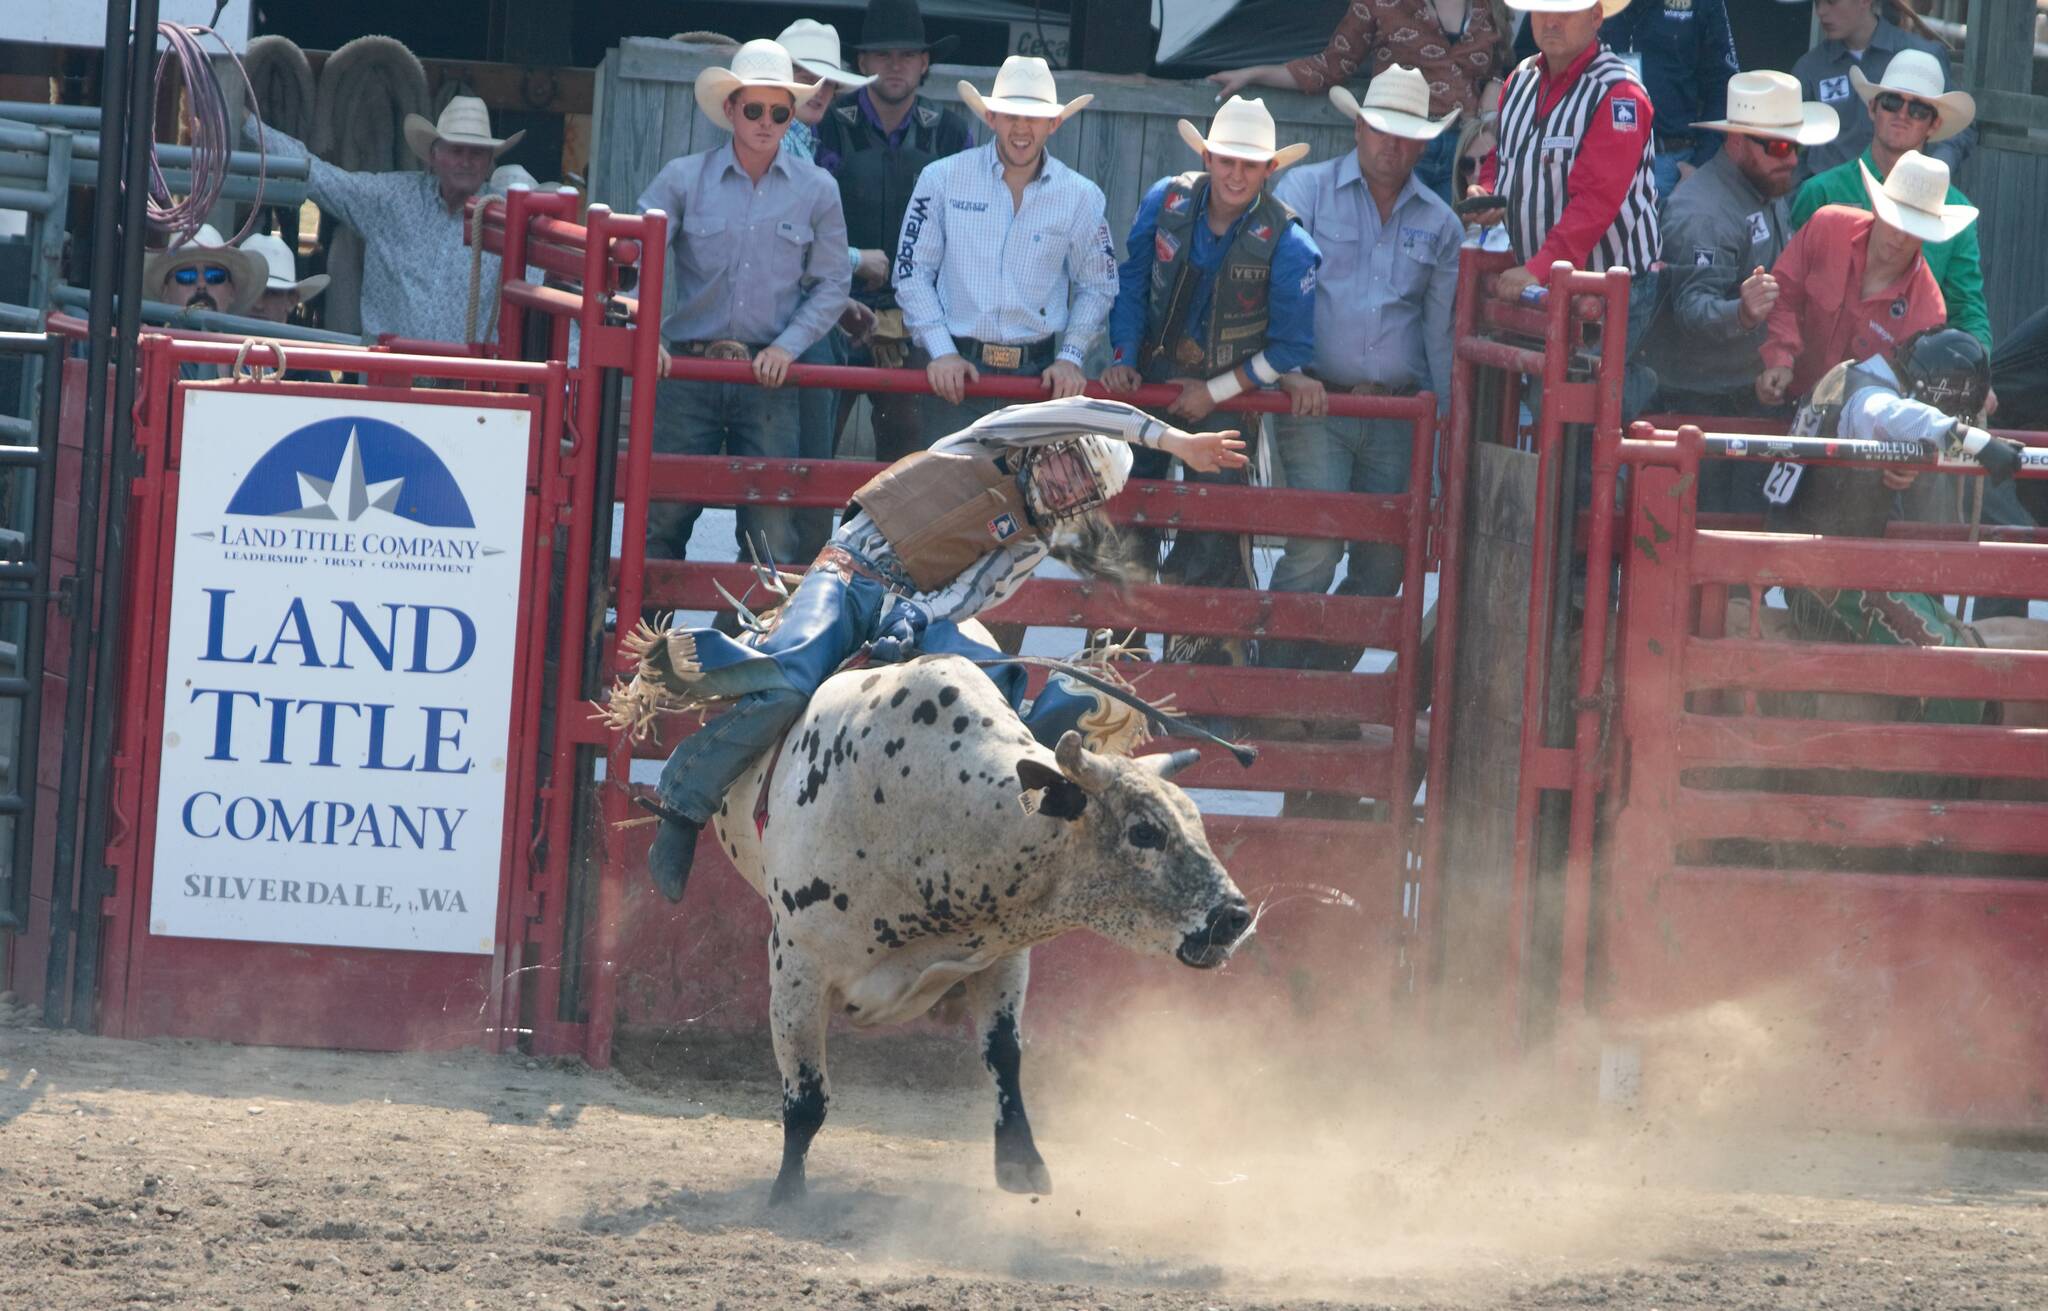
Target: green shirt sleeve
x,y
1962,287
1809,198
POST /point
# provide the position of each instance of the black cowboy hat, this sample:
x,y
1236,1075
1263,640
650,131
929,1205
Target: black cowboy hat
x,y
899,25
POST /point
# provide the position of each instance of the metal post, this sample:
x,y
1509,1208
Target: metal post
x,y
105,261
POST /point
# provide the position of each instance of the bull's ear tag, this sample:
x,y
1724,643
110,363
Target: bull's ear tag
x,y
1048,792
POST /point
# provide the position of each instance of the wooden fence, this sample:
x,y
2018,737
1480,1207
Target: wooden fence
x,y
646,116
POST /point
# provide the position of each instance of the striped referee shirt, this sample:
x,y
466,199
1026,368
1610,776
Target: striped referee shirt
x,y
1575,154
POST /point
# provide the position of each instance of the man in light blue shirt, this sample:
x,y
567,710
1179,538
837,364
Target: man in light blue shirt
x,y
1382,320
1005,264
760,272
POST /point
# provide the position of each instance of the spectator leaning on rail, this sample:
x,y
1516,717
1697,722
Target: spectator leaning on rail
x,y
1724,228
1908,111
1005,264
930,542
761,272
1459,46
1382,321
1852,284
876,141
1929,391
1215,297
1574,161
1857,38
416,260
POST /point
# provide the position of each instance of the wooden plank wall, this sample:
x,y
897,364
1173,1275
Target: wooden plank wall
x,y
2006,177
1125,141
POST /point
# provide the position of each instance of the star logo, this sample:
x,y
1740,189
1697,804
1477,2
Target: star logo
x,y
348,495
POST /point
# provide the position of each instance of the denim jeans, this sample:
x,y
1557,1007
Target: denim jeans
x,y
717,418
817,414
897,417
1437,168
941,418
1664,170
1334,454
828,618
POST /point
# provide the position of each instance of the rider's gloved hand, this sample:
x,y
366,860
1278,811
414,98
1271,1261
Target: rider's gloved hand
x,y
899,634
2001,459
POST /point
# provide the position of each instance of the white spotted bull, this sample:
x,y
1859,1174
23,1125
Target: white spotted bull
x,y
898,862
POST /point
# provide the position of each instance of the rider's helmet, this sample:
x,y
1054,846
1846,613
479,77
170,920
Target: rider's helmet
x,y
1946,368
1066,478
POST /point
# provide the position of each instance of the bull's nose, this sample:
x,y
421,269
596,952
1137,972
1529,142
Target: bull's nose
x,y
1209,946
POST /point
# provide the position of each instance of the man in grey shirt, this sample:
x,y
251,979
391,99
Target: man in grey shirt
x,y
1855,34
759,267
416,259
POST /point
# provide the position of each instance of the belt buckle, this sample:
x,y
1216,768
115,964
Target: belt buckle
x,y
726,349
1001,357
1189,353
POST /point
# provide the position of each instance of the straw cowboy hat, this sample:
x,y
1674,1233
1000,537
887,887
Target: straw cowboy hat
x,y
1919,76
206,247
1913,198
1397,103
1242,129
899,25
759,62
1608,8
1768,105
281,268
814,47
1024,88
465,122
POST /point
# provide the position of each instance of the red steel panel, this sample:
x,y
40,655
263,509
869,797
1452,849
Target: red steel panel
x,y
1985,826
1973,752
1944,568
1773,666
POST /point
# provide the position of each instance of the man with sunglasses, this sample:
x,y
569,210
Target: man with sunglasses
x,y
1856,39
758,257
1724,227
1909,111
205,273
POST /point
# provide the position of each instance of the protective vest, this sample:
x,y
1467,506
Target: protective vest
x,y
875,182
944,510
1236,329
1831,499
1536,154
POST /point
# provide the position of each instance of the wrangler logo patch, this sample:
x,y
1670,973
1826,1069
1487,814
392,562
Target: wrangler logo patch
x,y
1003,527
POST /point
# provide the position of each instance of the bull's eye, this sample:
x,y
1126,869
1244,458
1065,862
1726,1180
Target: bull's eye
x,y
1146,835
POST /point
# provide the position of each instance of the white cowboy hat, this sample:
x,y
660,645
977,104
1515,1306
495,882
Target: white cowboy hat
x,y
1024,88
814,47
1397,103
1608,8
1766,104
1242,129
1919,76
249,271
465,122
759,62
1913,198
283,269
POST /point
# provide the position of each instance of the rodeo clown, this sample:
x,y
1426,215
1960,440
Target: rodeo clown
x,y
1930,392
931,541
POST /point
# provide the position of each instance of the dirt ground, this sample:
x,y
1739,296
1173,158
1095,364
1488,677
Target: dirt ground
x,y
1188,1174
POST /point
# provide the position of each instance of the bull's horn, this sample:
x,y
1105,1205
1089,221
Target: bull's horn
x,y
1166,765
1080,764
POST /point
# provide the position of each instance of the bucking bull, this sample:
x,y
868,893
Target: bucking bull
x,y
915,837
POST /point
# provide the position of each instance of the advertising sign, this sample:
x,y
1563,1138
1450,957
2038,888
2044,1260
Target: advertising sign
x,y
338,682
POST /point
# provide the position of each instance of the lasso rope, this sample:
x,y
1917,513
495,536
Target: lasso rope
x,y
243,370
204,117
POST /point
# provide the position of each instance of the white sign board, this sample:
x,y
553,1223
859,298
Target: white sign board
x,y
84,22
338,684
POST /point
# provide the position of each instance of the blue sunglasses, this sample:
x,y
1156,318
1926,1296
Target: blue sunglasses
x,y
186,277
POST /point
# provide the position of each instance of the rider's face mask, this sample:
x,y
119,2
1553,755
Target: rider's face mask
x,y
1059,482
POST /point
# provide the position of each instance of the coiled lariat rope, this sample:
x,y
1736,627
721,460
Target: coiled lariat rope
x,y
205,120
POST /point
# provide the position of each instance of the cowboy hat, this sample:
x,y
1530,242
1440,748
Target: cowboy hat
x,y
465,122
814,47
1397,103
283,270
1764,104
1608,8
759,62
1242,129
1023,87
247,269
899,25
1919,76
1913,198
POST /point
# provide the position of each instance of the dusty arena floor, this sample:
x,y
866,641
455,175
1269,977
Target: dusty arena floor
x,y
193,1175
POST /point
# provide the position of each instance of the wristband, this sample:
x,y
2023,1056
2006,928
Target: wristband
x,y
1225,385
1971,439
1262,373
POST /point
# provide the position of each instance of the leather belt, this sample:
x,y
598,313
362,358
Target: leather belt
x,y
1024,355
715,350
1368,388
842,561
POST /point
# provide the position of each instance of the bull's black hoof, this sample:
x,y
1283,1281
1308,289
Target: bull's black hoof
x,y
788,1190
1024,1177
673,852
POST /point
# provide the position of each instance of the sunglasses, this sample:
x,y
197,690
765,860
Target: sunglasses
x,y
189,277
1778,149
1891,102
776,114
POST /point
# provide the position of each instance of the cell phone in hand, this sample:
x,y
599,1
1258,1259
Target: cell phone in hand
x,y
1479,204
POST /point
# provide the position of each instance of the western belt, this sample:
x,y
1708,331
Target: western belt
x,y
1023,355
722,349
